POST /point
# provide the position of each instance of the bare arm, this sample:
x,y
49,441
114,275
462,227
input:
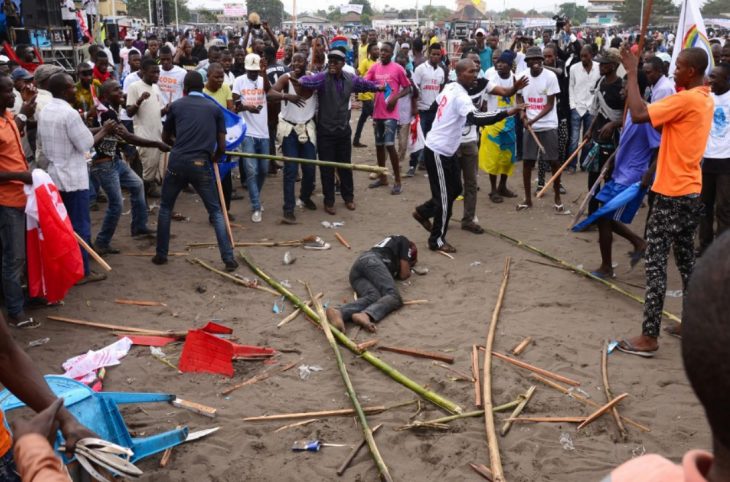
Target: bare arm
x,y
639,112
405,270
274,40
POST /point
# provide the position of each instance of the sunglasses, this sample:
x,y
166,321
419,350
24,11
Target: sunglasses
x,y
86,72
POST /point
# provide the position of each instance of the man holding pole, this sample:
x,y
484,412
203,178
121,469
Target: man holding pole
x,y
197,131
686,119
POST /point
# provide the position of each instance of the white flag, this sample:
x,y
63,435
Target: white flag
x,y
351,7
691,33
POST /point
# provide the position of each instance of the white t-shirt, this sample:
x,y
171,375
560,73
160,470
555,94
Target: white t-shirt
x,y
229,78
124,55
536,96
520,63
252,93
148,119
498,102
718,144
428,80
470,132
454,104
171,83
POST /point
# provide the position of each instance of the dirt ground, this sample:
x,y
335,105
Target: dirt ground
x,y
568,316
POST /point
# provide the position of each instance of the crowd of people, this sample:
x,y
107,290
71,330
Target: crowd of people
x,y
148,115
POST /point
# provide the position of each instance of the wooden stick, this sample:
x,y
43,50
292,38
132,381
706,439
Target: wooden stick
x,y
460,374
320,414
594,187
585,401
222,200
557,173
535,369
346,463
444,254
494,457
607,391
517,350
198,408
518,410
149,255
267,244
367,344
338,165
167,454
295,424
230,277
475,413
415,302
602,410
296,312
342,240
121,301
418,353
367,433
482,470
475,376
258,378
547,419
126,329
92,253
534,137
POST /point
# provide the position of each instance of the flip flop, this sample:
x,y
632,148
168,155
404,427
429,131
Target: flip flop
x,y
27,324
635,257
523,207
495,198
626,347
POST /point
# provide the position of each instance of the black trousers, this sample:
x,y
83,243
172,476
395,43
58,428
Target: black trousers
x,y
335,148
444,177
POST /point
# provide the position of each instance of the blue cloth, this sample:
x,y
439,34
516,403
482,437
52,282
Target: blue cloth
x,y
256,169
235,133
77,207
637,145
12,239
620,204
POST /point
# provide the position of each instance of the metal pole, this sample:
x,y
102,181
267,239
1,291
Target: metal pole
x,y
177,26
149,10
641,17
294,14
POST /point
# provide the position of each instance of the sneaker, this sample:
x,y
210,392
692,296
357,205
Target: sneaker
x,y
231,265
256,217
91,278
411,172
108,249
289,218
309,204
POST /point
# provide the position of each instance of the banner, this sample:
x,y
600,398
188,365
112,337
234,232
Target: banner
x,y
234,10
691,33
351,7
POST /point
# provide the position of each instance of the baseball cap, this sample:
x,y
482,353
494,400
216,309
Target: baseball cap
x,y
405,45
534,53
337,54
252,62
664,56
4,59
480,31
21,74
45,72
610,56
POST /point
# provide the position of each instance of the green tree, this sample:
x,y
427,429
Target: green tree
x,y
407,13
138,8
437,14
630,11
715,7
271,11
576,13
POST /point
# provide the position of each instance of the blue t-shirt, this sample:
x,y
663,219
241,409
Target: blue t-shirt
x,y
485,58
637,145
195,122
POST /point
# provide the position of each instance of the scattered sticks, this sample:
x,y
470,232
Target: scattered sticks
x,y
346,463
258,378
320,414
462,376
517,350
607,391
121,301
595,415
92,253
419,353
295,424
122,329
532,368
518,410
482,470
238,281
342,240
367,344
412,302
444,254
475,376
296,312
439,423
547,419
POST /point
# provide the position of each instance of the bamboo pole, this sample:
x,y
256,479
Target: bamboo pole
x,y
267,244
518,410
92,253
433,397
414,302
533,368
338,165
607,391
346,463
121,301
295,424
222,200
595,415
238,281
520,347
450,418
149,255
367,433
258,378
585,401
475,376
560,170
320,414
494,457
535,138
127,329
296,312
578,270
547,419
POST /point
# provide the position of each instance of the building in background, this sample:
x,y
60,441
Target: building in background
x,y
602,13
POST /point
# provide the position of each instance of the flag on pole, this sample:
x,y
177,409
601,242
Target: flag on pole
x,y
691,33
235,133
53,255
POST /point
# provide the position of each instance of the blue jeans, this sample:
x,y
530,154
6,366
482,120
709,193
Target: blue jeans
x,y
12,239
199,175
291,147
256,169
8,471
385,131
576,122
77,207
112,176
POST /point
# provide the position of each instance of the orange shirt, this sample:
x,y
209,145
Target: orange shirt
x,y
12,159
6,441
685,118
654,468
36,460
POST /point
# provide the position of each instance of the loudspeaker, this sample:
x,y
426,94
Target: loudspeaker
x,y
41,13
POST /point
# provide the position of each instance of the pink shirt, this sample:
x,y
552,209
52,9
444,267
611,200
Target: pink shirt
x,y
395,76
655,468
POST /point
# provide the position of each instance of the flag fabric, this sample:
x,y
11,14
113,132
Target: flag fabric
x,y
53,255
235,133
615,207
691,33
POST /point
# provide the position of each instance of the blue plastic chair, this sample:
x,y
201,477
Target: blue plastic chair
x,y
99,412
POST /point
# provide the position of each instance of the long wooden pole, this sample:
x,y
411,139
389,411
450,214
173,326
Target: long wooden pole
x,y
594,188
557,173
318,414
534,137
494,458
222,200
367,433
607,391
432,397
541,371
92,253
338,165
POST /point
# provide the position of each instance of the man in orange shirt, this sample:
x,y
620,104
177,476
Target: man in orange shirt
x,y
685,119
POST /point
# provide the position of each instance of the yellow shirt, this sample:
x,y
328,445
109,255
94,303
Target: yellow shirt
x,y
362,53
362,69
222,95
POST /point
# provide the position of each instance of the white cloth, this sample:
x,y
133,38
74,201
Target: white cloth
x,y
82,367
428,80
148,119
536,97
68,10
294,114
718,144
128,80
580,88
252,93
171,83
66,141
124,55
520,63
495,102
663,88
229,78
470,132
454,105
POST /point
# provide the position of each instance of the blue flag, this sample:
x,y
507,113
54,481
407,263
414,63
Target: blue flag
x,y
235,133
615,207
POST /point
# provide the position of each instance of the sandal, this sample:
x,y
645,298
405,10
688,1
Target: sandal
x,y
626,347
495,198
178,216
446,248
377,183
27,324
523,207
506,193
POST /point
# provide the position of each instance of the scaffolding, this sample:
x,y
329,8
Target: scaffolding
x,y
51,44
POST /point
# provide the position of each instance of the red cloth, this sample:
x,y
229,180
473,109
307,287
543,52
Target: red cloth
x,y
101,76
53,255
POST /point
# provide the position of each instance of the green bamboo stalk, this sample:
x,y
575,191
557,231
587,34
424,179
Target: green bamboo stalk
x,y
450,418
367,433
432,397
314,162
578,270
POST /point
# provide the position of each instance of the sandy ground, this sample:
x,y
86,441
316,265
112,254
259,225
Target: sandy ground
x,y
568,316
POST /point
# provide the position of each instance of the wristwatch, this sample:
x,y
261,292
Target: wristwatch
x,y
22,117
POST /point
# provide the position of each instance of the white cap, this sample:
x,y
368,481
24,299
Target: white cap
x,y
480,31
130,36
405,45
252,62
4,59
